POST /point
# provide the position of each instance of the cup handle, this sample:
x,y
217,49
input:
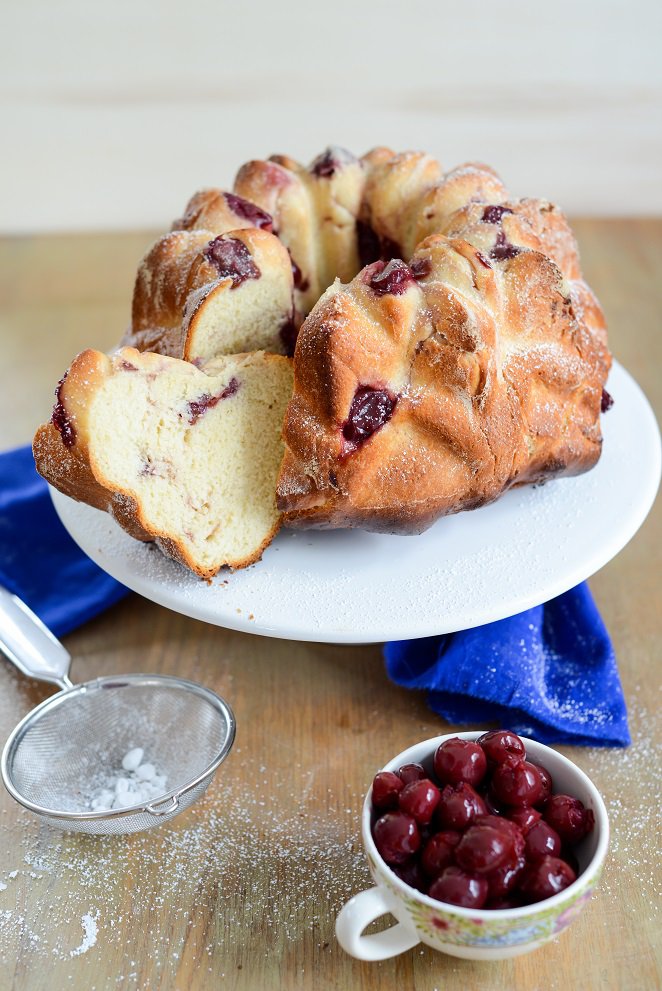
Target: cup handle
x,y
358,913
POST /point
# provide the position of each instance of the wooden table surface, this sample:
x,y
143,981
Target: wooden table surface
x,y
242,891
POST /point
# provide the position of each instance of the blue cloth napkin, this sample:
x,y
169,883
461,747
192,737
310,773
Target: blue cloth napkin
x,y
39,561
549,673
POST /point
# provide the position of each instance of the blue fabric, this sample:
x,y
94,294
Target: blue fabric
x,y
39,561
548,673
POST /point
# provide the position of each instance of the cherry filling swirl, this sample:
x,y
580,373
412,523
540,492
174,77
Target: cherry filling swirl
x,y
196,408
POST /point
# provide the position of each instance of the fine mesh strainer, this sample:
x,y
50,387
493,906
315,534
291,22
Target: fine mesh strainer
x,y
57,756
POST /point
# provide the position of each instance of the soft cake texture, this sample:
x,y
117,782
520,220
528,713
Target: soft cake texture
x,y
184,456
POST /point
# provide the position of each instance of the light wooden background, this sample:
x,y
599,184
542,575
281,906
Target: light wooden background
x,y
112,114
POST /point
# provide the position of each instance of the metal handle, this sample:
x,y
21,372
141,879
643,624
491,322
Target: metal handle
x,y
30,645
174,804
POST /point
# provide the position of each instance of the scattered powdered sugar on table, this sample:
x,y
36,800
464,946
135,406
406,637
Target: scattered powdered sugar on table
x,y
90,933
229,855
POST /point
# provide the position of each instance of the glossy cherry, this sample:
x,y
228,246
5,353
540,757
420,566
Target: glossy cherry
x,y
505,879
438,852
483,848
500,744
542,841
544,878
546,782
458,806
411,772
396,837
568,816
419,799
386,786
392,279
457,887
370,409
516,782
524,816
458,760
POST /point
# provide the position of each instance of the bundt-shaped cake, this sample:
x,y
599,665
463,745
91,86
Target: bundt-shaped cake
x,y
182,455
457,353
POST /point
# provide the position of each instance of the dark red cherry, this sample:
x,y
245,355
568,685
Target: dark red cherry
x,y
544,878
331,161
568,816
504,879
420,267
438,852
500,744
396,837
606,401
411,873
297,275
232,259
289,333
60,418
524,816
249,211
503,249
516,782
494,214
370,410
411,772
457,887
386,787
458,806
542,841
393,278
546,782
419,799
507,826
493,807
483,848
458,760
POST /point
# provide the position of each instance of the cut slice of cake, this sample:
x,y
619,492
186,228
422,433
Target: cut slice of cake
x,y
182,455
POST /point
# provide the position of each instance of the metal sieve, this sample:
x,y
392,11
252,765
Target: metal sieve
x,y
55,757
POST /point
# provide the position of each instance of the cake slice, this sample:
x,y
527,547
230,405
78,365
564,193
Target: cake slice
x,y
185,456
198,295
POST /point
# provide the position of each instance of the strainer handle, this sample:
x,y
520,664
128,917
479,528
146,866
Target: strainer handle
x,y
30,645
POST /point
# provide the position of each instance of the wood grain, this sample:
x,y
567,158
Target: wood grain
x,y
242,891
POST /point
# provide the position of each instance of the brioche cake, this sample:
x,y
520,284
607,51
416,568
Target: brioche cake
x,y
446,348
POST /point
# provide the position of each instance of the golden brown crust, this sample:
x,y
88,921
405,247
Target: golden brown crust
x,y
498,382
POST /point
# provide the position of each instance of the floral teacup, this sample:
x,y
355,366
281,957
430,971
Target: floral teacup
x,y
471,933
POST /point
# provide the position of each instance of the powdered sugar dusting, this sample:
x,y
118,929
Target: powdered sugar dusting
x,y
90,932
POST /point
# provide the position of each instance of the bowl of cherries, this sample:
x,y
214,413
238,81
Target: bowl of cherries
x,y
483,845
